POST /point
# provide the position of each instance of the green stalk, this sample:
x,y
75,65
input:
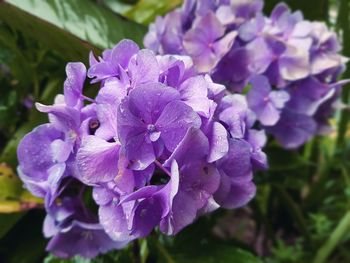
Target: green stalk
x,y
336,237
343,24
294,210
164,252
136,251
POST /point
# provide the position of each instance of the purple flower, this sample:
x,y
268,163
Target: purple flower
x,y
42,160
74,230
246,9
150,118
293,129
236,115
157,146
324,52
206,43
265,103
236,186
234,42
111,61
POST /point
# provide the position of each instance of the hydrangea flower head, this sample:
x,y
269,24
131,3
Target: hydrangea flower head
x,y
160,145
292,64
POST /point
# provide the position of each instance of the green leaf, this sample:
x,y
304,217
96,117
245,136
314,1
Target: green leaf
x,y
7,221
142,11
85,20
115,256
13,197
52,259
312,9
24,243
10,185
213,253
284,160
9,154
197,244
145,11
68,45
118,6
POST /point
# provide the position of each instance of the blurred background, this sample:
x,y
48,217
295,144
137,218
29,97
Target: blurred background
x,y
302,210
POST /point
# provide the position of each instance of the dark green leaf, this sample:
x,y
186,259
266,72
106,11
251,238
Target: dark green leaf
x,y
7,221
52,259
116,256
24,243
197,244
312,9
9,153
284,160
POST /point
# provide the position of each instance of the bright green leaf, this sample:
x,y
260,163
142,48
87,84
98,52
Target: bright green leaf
x,y
145,11
10,185
83,19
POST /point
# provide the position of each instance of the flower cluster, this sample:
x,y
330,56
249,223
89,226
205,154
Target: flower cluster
x,y
291,64
159,146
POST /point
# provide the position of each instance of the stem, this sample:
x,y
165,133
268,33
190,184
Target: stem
x,y
164,252
294,211
36,87
162,168
136,251
339,232
88,99
316,192
262,218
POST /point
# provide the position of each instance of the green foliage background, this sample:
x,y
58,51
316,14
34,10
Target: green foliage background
x,y
302,211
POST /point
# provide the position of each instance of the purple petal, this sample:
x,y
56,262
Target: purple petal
x,y
102,196
147,215
73,85
200,181
97,160
184,213
259,101
247,9
144,68
233,195
218,142
174,122
63,117
237,163
140,152
34,152
194,92
198,41
84,242
293,129
114,219
194,146
61,150
294,64
148,101
261,55
123,52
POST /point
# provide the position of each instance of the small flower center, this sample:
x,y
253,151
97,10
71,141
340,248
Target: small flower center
x,y
151,128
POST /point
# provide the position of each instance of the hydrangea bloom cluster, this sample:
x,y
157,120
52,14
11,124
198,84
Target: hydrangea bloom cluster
x,y
159,146
291,64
